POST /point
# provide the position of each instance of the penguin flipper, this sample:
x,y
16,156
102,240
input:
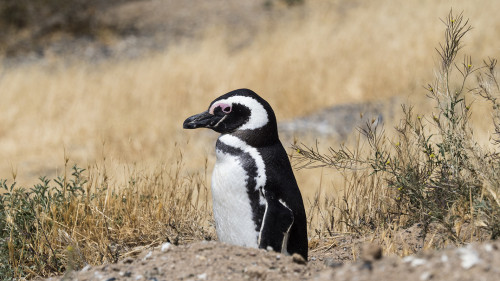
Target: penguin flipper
x,y
276,224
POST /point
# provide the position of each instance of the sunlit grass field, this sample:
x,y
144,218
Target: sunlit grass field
x,y
121,120
131,111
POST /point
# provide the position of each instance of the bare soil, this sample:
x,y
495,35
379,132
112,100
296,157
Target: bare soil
x,y
340,257
209,260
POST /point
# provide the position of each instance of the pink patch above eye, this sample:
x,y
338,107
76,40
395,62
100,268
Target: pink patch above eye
x,y
226,108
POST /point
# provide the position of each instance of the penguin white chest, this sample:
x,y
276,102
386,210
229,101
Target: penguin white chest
x,y
231,204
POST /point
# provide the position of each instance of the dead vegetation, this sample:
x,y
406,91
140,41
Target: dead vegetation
x,y
81,218
431,172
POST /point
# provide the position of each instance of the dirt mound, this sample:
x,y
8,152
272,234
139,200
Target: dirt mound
x,y
202,261
472,262
218,261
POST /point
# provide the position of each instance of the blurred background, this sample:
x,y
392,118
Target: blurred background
x,y
109,82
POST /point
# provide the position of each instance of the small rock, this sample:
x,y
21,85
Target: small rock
x,y
86,268
111,279
469,257
166,247
488,247
125,274
367,265
426,276
414,261
266,261
128,260
202,276
255,272
152,273
98,275
296,258
278,257
371,252
330,262
418,262
148,255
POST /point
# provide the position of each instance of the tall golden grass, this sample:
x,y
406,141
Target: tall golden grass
x,y
128,113
321,54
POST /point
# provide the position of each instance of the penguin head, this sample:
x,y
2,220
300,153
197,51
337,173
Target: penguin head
x,y
237,112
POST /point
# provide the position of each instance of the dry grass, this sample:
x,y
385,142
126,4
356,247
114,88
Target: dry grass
x,y
433,172
127,115
81,218
324,54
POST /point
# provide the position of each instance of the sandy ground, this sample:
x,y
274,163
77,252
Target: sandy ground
x,y
341,257
209,260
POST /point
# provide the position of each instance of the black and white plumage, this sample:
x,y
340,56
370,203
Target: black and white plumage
x,y
256,200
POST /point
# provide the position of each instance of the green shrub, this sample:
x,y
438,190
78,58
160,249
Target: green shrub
x,y
63,224
434,170
23,230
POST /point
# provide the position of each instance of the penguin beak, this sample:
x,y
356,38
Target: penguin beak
x,y
202,120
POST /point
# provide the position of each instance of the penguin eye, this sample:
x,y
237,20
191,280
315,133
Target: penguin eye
x,y
226,108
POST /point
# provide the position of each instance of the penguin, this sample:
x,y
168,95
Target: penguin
x,y
256,200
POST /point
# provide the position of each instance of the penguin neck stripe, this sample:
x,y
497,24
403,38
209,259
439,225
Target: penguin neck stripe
x,y
233,141
258,114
